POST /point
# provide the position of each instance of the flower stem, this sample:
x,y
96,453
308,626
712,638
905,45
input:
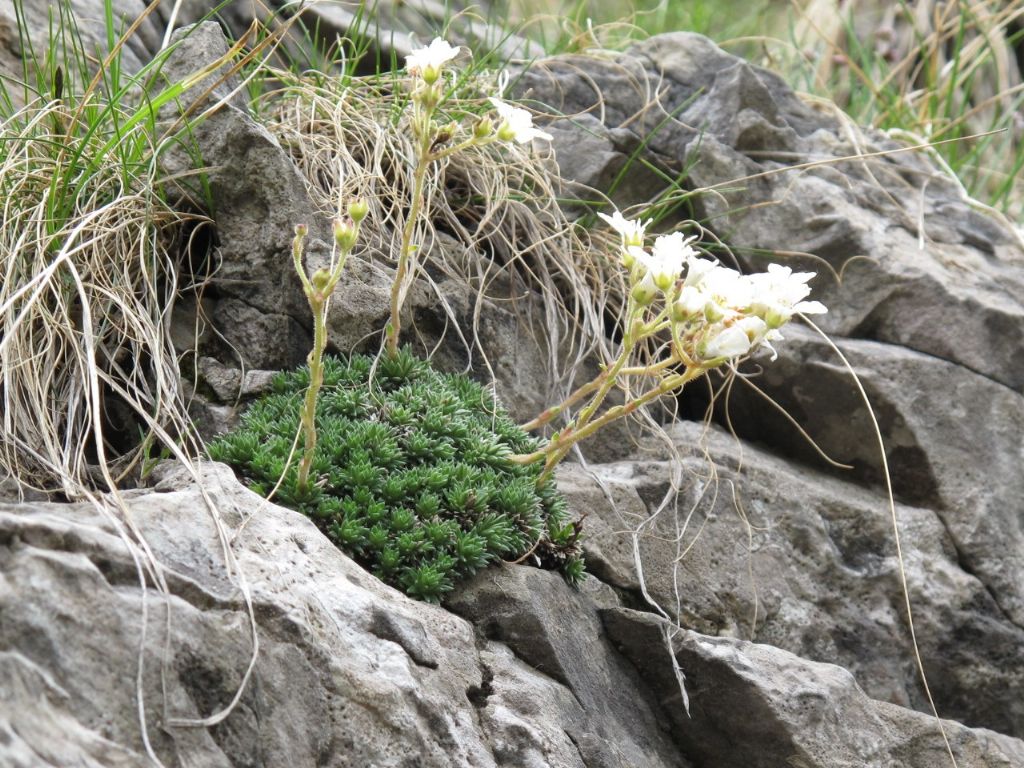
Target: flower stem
x,y
406,262
557,450
316,379
318,294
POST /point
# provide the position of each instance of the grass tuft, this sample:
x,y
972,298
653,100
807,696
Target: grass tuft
x,y
351,139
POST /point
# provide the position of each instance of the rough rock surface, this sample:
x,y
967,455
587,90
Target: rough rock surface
x,y
923,268
794,712
88,16
349,672
929,313
788,556
518,669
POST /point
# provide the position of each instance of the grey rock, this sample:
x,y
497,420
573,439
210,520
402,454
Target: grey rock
x,y
922,267
953,440
260,312
557,631
349,672
783,554
230,384
754,705
599,163
88,18
399,26
932,286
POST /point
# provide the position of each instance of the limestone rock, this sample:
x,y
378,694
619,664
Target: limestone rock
x,y
755,706
922,266
778,553
349,671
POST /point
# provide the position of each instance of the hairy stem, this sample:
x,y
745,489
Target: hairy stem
x,y
405,257
562,443
669,384
318,304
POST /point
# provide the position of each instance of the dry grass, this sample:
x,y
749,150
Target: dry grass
x,y
88,252
351,140
928,71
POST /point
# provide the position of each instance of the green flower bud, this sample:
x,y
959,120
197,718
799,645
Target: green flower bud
x,y
357,210
483,128
712,312
345,234
506,132
321,279
445,134
430,74
775,319
645,291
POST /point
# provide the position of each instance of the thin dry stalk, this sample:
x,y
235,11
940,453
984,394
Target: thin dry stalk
x,y
351,140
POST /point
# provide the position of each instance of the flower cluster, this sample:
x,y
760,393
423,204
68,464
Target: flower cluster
x,y
702,313
427,64
715,313
435,142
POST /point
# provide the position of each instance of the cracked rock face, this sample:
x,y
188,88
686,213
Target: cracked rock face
x,y
349,672
518,669
788,556
929,314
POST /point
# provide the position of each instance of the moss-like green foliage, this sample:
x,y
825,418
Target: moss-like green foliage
x,y
412,474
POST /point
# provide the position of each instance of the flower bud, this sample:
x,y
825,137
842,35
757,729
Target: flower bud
x,y
714,312
483,128
506,132
301,230
430,74
688,305
357,210
773,318
345,234
630,255
645,291
321,280
445,134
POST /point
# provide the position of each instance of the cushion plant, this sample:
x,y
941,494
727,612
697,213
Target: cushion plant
x,y
412,476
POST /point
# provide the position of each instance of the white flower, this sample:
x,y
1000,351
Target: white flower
x,y
779,293
676,247
632,230
727,290
691,302
665,262
517,124
427,62
730,342
696,269
755,328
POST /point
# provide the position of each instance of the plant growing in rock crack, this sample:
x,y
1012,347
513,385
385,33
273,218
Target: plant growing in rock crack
x,y
413,477
404,468
711,317
435,142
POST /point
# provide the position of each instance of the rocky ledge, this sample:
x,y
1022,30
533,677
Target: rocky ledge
x,y
771,584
